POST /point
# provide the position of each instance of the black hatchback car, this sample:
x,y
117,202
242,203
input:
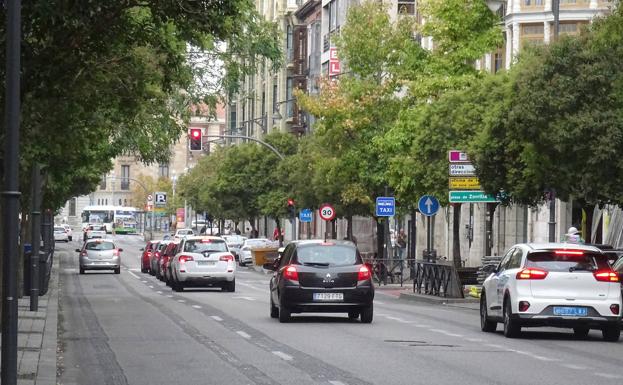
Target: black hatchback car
x,y
319,276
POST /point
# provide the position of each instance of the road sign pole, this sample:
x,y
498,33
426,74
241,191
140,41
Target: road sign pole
x,y
428,235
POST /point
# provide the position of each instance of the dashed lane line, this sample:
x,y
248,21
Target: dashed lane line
x,y
243,334
216,318
336,383
282,355
197,306
134,275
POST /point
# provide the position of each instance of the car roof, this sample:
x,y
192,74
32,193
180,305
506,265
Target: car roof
x,y
306,242
200,237
560,245
99,240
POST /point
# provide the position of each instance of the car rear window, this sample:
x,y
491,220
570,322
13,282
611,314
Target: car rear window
x,y
567,260
61,229
185,232
332,255
100,246
203,245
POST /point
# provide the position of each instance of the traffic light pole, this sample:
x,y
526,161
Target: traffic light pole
x,y
273,149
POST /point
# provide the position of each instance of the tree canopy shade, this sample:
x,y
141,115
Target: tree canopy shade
x,y
562,128
104,78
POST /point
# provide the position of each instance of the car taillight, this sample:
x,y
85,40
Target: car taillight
x,y
524,305
614,308
116,252
606,276
83,254
226,258
364,273
149,253
185,258
291,273
531,274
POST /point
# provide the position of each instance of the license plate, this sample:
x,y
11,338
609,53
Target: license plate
x,y
572,311
328,296
204,263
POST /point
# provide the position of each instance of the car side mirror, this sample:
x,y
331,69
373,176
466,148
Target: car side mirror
x,y
120,249
78,251
490,269
141,249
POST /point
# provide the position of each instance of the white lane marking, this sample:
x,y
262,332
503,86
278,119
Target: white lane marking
x,y
159,292
445,332
398,320
69,270
170,296
546,359
135,269
378,303
197,306
151,286
216,318
144,281
263,290
474,339
245,298
499,347
243,334
134,275
336,383
574,366
181,300
606,375
423,325
282,355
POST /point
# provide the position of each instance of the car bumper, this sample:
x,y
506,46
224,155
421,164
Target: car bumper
x,y
100,264
204,278
547,318
300,299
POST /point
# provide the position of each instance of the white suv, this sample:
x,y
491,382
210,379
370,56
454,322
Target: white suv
x,y
203,261
553,284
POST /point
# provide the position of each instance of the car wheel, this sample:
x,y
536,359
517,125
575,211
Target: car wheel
x,y
144,270
231,286
118,270
82,270
581,331
353,315
178,287
486,325
241,264
284,314
367,314
152,272
274,310
70,238
511,326
611,333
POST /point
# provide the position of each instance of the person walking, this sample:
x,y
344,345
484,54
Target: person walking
x,y
401,246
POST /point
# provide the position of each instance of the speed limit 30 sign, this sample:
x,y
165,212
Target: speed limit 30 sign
x,y
327,212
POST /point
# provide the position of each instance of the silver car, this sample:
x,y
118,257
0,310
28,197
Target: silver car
x,y
99,254
234,243
246,253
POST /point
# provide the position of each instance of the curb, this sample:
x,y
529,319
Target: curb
x,y
46,369
436,300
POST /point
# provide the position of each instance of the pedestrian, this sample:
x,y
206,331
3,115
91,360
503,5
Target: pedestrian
x,y
572,236
401,246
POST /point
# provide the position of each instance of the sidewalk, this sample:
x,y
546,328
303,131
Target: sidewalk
x,y
37,336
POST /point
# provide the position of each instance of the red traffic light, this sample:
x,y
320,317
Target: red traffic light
x,y
195,133
290,202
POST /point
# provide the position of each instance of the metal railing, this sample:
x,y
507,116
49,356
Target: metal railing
x,y
439,279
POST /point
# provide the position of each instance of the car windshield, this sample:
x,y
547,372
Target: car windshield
x,y
567,260
256,242
100,246
203,245
59,229
184,232
330,255
234,239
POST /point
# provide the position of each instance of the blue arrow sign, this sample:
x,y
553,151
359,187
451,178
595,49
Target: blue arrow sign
x,y
305,215
385,206
428,205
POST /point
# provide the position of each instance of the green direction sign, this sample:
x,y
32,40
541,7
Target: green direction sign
x,y
470,197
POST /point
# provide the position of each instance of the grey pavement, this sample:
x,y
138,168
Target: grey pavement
x,y
37,336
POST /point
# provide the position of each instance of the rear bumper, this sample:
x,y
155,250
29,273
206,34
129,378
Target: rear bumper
x,y
100,265
547,318
204,278
300,299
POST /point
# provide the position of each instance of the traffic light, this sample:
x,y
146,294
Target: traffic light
x,y
194,139
291,208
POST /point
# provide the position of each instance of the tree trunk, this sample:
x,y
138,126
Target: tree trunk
x,y
333,229
456,237
589,210
349,227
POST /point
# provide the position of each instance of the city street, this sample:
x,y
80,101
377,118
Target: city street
x,y
132,329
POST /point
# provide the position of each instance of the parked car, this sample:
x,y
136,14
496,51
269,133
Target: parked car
x,y
149,248
68,230
100,254
318,276
234,243
154,260
552,284
169,251
245,256
60,234
181,233
203,261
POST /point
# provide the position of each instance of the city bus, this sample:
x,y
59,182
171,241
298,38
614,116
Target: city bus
x,y
120,218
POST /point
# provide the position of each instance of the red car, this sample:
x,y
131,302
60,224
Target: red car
x,y
154,262
168,253
145,258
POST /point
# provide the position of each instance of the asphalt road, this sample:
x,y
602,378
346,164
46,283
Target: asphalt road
x,y
132,329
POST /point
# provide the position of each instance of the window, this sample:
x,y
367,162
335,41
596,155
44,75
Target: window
x,y
289,96
534,3
163,170
515,261
506,259
72,207
103,183
406,7
125,177
568,28
289,47
333,15
232,117
532,34
333,255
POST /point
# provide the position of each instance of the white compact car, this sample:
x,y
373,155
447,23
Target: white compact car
x,y
68,230
203,261
60,234
553,284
